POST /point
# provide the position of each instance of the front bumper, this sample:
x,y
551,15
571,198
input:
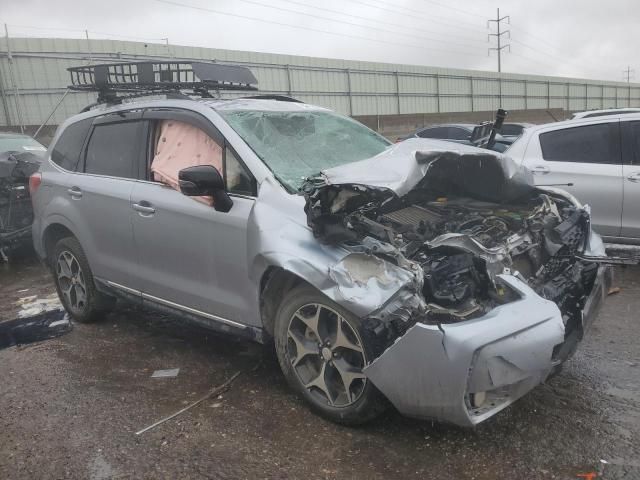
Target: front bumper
x,y
432,371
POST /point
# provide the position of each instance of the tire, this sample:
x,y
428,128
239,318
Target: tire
x,y
87,308
343,395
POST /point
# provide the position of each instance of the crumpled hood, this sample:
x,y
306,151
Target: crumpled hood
x,y
440,167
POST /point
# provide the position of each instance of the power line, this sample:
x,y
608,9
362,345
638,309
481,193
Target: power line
x,y
312,29
629,74
353,24
551,55
397,9
83,31
399,25
498,21
457,10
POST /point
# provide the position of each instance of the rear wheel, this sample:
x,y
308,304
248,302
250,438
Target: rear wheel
x,y
74,283
322,351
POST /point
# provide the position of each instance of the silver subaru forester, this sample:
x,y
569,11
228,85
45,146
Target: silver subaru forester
x,y
432,276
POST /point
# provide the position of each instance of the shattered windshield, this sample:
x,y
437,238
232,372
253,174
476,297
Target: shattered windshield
x,y
296,145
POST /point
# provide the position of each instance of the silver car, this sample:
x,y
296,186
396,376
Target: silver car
x,y
430,276
595,159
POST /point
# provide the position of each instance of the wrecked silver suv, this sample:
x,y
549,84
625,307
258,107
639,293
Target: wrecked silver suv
x,y
433,276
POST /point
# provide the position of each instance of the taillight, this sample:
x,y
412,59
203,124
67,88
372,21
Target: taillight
x,y
34,182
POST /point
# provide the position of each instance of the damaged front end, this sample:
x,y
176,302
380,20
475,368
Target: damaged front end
x,y
485,282
16,212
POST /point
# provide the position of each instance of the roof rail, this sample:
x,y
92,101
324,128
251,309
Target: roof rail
x,y
151,77
280,98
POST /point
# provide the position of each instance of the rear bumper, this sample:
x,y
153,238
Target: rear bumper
x,y
432,372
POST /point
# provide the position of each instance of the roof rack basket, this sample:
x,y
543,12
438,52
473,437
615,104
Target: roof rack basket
x,y
150,77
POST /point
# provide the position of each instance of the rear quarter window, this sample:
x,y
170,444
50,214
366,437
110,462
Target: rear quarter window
x,y
586,144
66,151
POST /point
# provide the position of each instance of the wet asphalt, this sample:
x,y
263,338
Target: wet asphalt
x,y
70,407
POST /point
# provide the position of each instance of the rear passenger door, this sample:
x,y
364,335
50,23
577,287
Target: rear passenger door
x,y
190,256
100,192
588,157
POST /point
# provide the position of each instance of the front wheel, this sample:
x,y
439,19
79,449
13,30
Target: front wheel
x,y
74,283
322,350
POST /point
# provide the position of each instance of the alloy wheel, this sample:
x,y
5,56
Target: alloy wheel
x,y
71,281
326,354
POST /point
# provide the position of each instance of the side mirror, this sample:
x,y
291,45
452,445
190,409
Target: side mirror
x,y
205,180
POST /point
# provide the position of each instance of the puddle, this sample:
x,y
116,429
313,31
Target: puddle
x,y
41,326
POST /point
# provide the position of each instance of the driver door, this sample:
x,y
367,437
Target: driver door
x,y
190,256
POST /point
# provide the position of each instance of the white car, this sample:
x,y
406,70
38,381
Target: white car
x,y
598,161
603,113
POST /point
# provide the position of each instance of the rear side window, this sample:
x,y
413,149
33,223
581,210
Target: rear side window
x,y
66,151
438,132
456,133
587,144
113,149
511,130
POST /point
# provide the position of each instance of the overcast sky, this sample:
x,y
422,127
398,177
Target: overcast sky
x,y
578,38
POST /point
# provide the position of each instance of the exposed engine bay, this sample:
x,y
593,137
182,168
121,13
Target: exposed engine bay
x,y
467,220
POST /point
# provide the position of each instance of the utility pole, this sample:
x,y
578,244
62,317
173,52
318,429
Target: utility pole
x,y
86,34
16,94
498,21
629,73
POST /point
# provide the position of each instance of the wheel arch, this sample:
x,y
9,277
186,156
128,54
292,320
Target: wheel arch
x,y
52,234
275,282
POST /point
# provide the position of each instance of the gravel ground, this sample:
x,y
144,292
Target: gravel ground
x,y
70,407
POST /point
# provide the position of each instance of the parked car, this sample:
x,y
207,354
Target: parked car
x,y
511,131
456,132
603,113
441,281
597,160
20,156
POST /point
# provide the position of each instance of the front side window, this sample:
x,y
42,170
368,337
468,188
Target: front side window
x,y
297,145
586,144
66,151
236,176
113,149
179,145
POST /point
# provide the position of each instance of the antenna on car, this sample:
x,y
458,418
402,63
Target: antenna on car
x,y
134,79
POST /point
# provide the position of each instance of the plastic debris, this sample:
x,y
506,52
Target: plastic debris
x,y
169,373
43,326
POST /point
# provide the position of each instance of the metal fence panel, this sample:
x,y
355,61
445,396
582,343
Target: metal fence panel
x,y
39,66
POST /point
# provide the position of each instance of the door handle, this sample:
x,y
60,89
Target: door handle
x,y
144,208
634,177
75,193
540,169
